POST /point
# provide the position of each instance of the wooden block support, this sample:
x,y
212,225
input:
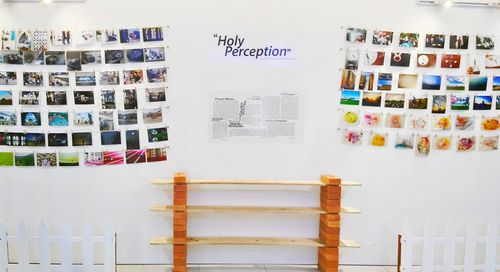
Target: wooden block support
x,y
180,223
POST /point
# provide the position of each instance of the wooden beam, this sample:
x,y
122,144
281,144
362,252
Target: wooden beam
x,y
252,182
250,209
262,241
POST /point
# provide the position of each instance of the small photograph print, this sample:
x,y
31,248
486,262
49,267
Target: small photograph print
x,y
111,138
485,43
62,37
473,65
108,100
497,104
356,35
352,137
490,123
408,40
407,81
435,40
418,102
395,120
58,119
466,144
496,83
132,35
442,142
464,122
106,121
378,139
425,60
8,78
69,159
460,102
157,75
349,118
431,82
400,59
113,157
384,81
154,115
348,81
418,122
85,37
46,159
25,159
40,40
439,104
132,76
492,62
350,98
459,42
34,139
85,118
55,58
451,61
366,81
404,141
33,79
6,158
73,61
5,98
395,100
423,147
29,98
156,154
82,138
152,34
91,57
132,138
441,123
109,35
84,97
58,139
128,117
155,94
30,119
12,57
455,83
372,119
8,40
154,54
130,99
56,98
478,83
8,118
134,55
114,56
381,37
85,79
157,135
94,158
372,99
58,79
24,40
376,58
482,102
488,143
110,78
135,156
34,58
352,59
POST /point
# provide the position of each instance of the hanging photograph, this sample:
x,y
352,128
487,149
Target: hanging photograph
x,y
155,94
431,82
110,78
84,118
352,137
46,159
154,54
425,60
130,99
73,61
366,81
132,76
384,81
407,81
111,138
132,139
460,102
418,101
382,37
473,65
12,57
69,159
156,154
94,158
152,34
62,37
34,58
376,58
485,43
113,157
459,42
154,115
482,102
492,62
82,138
33,79
350,98
25,159
408,40
352,59
435,40
132,35
156,75
109,35
34,139
56,98
91,57
40,40
85,79
450,61
404,141
464,122
423,147
442,142
127,117
418,122
488,143
8,40
372,119
395,120
496,83
8,118
378,139
5,98
157,135
372,99
400,59
478,83
348,118
394,100
356,35
57,139
58,79
85,37
108,100
134,55
439,104
466,144
455,83
58,119
24,40
133,156
114,56
106,121
84,97
30,119
489,123
8,78
441,123
55,58
348,80
29,98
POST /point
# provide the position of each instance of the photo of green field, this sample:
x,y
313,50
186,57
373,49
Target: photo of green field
x,y
6,159
69,159
25,159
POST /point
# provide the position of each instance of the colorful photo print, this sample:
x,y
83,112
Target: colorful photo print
x,y
55,58
114,56
395,120
455,83
156,75
496,83
58,79
352,59
69,159
8,118
157,134
34,58
110,78
372,99
439,104
130,99
460,102
73,61
155,94
348,118
108,100
400,59
6,159
91,57
24,40
109,35
466,144
356,35
485,43
376,58
113,157
93,158
497,104
5,98
134,55
459,42
33,79
408,40
372,119
394,100
488,143
84,97
25,159
132,139
154,54
84,118
106,121
381,37
423,147
442,142
154,115
152,34
473,65
40,40
29,98
58,119
85,79
111,138
378,139
46,159
482,102
407,81
62,37
490,123
34,139
132,76
8,40
418,101
132,35
127,117
82,138
57,139
156,154
492,62
8,78
384,81
478,83
31,119
451,61
426,60
56,98
418,122
431,82
366,81
404,141
464,122
441,123
348,80
12,57
435,40
85,37
135,156
352,137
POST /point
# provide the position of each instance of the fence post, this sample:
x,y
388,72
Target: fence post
x,y
470,248
110,250
44,247
4,257
428,249
23,244
449,248
66,248
491,247
88,248
406,248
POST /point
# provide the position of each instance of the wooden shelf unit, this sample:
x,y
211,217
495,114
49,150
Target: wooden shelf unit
x,y
329,211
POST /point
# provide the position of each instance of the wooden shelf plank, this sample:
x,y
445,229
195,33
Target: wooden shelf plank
x,y
251,209
350,210
349,243
251,182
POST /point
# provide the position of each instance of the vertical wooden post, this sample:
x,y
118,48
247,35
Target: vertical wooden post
x,y
329,230
399,253
180,223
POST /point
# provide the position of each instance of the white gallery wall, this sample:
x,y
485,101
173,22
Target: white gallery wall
x,y
396,184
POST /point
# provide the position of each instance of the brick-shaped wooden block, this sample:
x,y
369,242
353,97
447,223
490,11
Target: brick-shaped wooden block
x,y
330,220
331,207
329,253
331,192
329,240
328,268
180,200
180,227
180,262
179,269
180,188
330,180
180,178
329,230
179,208
179,240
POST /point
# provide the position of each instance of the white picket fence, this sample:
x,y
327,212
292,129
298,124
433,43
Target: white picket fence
x,y
64,242
450,253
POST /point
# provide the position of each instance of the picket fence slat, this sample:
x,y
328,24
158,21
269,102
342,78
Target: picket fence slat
x,y
88,248
470,248
23,246
449,248
44,247
428,249
66,247
491,247
407,248
4,262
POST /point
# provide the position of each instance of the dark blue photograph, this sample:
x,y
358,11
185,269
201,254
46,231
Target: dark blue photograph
x,y
431,82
